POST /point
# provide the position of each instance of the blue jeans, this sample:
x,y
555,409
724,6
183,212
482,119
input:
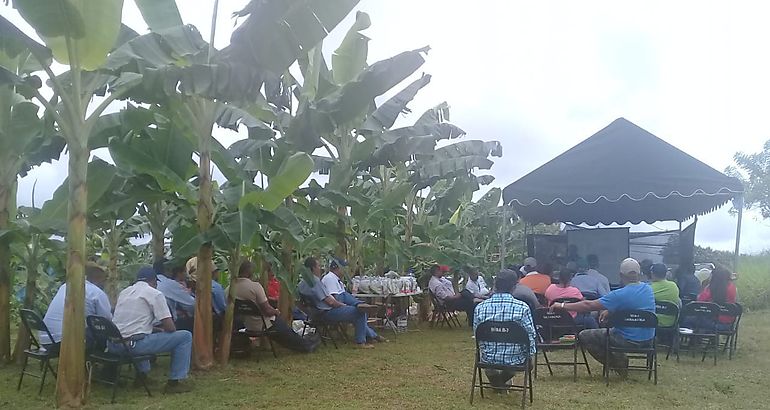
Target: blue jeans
x,y
350,300
178,343
352,315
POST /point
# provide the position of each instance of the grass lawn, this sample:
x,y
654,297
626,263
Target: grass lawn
x,y
431,368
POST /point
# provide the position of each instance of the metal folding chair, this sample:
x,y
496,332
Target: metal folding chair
x,y
735,311
247,308
104,328
702,317
550,326
441,314
667,309
503,332
315,320
634,319
35,324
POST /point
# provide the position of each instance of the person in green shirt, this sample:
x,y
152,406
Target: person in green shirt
x,y
664,291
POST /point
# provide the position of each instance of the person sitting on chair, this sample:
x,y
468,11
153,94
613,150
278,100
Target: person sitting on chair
x,y
140,306
530,265
444,291
593,271
333,283
664,291
273,287
588,284
721,290
540,279
688,284
97,304
332,309
564,290
476,284
181,302
634,295
244,288
503,307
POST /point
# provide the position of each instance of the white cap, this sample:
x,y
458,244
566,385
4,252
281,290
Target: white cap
x,y
530,261
630,266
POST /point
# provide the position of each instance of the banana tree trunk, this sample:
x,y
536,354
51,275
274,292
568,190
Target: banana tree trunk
x,y
225,337
286,301
203,334
70,381
5,270
30,293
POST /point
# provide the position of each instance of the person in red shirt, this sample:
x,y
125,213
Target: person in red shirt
x,y
721,290
273,287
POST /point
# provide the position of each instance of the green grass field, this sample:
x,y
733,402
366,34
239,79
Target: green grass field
x,y
431,368
754,281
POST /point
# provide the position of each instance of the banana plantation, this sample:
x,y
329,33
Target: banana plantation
x,y
330,160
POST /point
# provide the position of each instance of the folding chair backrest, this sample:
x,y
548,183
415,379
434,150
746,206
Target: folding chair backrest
x,y
103,328
541,299
502,332
732,310
633,318
34,324
548,321
246,308
310,308
667,309
688,298
704,310
435,300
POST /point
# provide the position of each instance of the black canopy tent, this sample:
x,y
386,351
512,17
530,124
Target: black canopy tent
x,y
621,174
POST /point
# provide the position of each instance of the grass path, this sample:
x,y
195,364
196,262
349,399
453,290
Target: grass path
x,y
431,368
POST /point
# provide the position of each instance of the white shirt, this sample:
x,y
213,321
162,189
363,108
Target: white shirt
x,y
138,307
97,304
477,288
333,283
441,287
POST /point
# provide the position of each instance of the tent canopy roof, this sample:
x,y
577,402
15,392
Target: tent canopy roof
x,y
620,174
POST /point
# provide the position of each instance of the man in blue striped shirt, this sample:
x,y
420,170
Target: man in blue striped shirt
x,y
503,307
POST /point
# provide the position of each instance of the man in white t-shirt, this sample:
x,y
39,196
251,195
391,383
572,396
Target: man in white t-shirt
x,y
139,307
476,285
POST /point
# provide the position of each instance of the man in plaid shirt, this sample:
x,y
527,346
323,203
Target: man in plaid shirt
x,y
503,307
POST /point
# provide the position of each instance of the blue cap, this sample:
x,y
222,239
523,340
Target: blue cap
x,y
146,273
336,263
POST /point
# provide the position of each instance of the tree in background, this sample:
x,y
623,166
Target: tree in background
x,y
754,171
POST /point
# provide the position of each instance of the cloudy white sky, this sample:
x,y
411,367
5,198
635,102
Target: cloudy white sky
x,y
542,76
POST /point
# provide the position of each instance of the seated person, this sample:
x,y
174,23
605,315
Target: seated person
x,y
588,284
540,279
331,309
476,284
526,295
634,295
140,306
97,304
333,283
664,291
593,266
273,287
721,290
181,302
689,285
564,290
244,288
503,307
218,303
444,291
530,265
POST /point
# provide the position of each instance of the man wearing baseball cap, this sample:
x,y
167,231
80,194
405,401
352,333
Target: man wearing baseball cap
x,y
530,265
634,295
140,306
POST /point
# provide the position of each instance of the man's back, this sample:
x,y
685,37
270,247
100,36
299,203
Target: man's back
x,y
315,291
604,283
96,303
139,306
633,296
588,284
503,307
441,287
247,289
688,285
665,291
538,282
526,295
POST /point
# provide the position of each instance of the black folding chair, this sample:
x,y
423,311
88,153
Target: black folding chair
x,y
688,298
734,311
441,314
541,299
636,319
702,316
590,295
503,332
323,327
104,328
247,308
550,326
663,308
35,324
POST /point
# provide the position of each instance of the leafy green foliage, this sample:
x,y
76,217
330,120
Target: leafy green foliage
x,y
754,171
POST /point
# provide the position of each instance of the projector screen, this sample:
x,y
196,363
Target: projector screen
x,y
609,244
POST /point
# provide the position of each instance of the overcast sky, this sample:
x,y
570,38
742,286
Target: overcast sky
x,y
542,76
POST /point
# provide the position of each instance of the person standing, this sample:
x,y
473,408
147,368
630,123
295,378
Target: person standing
x,y
503,307
139,307
634,295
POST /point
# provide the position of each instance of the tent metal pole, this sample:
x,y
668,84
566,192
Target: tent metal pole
x,y
739,200
502,238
